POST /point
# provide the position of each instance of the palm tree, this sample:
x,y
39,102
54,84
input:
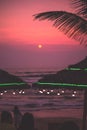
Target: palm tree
x,y
73,25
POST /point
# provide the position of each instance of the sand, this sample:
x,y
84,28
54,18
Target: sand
x,y
54,123
52,120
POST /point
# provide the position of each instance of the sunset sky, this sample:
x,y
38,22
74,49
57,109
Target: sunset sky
x,y
20,36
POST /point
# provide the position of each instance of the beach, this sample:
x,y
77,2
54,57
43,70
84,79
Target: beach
x,y
47,119
53,119
43,61
49,110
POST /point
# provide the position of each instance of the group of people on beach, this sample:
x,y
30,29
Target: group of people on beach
x,y
26,121
17,121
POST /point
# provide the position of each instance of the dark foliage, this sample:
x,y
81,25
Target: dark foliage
x,y
73,25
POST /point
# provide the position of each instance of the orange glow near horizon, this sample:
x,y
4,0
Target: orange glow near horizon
x,y
39,46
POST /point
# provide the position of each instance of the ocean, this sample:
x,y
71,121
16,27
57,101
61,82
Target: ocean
x,y
40,101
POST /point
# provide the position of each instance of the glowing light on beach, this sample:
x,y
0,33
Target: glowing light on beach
x,y
51,90
73,95
74,92
62,91
58,94
48,92
14,93
40,92
23,92
20,91
44,90
39,46
5,91
1,94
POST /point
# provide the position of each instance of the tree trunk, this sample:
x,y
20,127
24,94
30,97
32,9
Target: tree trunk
x,y
84,110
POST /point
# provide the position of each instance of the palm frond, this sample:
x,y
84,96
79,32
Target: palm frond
x,y
72,25
80,7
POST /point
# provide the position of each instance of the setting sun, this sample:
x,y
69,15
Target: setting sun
x,y
39,46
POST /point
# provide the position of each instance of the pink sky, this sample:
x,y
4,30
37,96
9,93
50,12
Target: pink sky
x,y
20,35
17,22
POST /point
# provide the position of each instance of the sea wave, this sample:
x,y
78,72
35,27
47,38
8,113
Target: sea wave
x,y
32,100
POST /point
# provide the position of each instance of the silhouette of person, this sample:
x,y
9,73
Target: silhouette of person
x,y
17,116
6,121
27,122
69,125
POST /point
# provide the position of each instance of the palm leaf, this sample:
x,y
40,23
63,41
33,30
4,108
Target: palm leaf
x,y
80,7
72,25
